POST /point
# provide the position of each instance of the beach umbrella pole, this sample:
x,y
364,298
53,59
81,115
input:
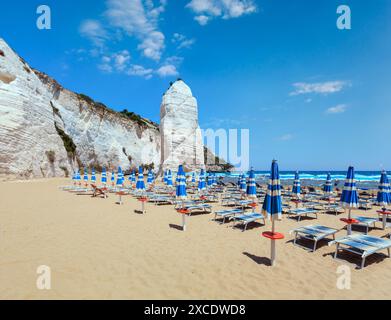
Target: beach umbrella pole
x,y
349,225
184,222
273,246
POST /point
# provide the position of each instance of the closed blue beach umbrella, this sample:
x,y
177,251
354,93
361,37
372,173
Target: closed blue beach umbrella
x,y
93,175
384,193
349,197
120,177
169,178
150,177
140,185
201,181
112,178
272,207
328,188
85,176
296,185
251,187
78,176
243,184
181,184
103,178
210,179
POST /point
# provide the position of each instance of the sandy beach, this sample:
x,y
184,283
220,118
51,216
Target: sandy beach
x,y
97,249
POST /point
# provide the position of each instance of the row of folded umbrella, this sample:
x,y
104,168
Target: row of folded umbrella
x,y
349,197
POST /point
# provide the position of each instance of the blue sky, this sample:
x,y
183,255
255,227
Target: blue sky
x,y
313,96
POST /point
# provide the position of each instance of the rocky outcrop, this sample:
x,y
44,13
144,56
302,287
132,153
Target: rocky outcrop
x,y
214,163
46,130
181,139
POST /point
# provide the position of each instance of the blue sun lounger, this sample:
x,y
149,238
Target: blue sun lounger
x,y
161,200
302,211
336,208
314,233
245,219
366,222
362,245
198,207
226,214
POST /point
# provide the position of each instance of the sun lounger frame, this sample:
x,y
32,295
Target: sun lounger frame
x,y
245,219
304,233
227,214
298,213
343,244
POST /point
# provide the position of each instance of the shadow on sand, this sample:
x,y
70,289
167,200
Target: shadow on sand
x,y
259,260
175,226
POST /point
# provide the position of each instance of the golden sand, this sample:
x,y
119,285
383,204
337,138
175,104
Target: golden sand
x,y
97,249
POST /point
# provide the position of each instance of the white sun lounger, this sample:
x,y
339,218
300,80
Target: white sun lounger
x,y
302,211
362,245
314,233
245,219
198,207
227,213
366,222
336,208
365,204
161,200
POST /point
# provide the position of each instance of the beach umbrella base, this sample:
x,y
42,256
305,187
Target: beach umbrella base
x,y
385,214
349,223
143,201
184,214
120,194
273,236
253,206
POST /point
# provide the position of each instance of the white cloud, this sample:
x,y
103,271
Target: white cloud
x,y
137,70
94,31
319,88
175,60
167,70
105,67
202,20
341,108
140,19
121,59
226,9
181,41
118,61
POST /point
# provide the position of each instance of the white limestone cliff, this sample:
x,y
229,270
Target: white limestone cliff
x,y
47,130
181,139
38,118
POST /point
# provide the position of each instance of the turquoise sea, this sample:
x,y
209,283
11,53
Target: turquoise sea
x,y
365,179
